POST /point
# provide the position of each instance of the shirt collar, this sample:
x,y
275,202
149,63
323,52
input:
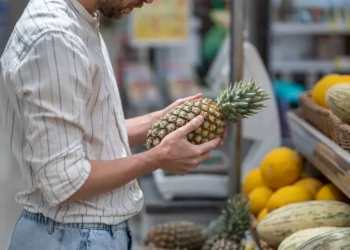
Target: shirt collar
x,y
93,20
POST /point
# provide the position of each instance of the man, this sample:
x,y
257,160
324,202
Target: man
x,y
62,116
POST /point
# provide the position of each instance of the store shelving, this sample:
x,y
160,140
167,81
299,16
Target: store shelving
x,y
323,153
310,35
305,66
294,28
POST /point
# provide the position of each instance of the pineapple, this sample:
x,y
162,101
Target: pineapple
x,y
228,231
179,235
235,103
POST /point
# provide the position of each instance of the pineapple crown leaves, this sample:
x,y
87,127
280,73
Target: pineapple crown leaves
x,y
235,218
241,100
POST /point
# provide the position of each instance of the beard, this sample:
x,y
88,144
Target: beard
x,y
115,9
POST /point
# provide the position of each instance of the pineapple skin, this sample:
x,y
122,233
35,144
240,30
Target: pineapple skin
x,y
223,242
212,127
176,235
226,244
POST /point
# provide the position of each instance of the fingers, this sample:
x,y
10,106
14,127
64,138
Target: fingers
x,y
194,97
204,157
224,135
208,146
190,98
191,126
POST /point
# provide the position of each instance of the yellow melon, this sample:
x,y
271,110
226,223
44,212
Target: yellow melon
x,y
304,175
288,195
252,181
258,198
281,167
331,192
344,79
311,184
320,90
262,214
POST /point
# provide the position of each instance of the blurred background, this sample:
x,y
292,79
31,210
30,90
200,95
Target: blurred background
x,y
176,48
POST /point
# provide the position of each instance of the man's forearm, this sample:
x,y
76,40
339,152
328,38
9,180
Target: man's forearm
x,y
109,175
138,127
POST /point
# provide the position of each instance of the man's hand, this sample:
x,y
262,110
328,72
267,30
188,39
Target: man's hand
x,y
179,102
178,155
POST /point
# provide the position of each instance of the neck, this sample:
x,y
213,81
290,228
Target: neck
x,y
89,5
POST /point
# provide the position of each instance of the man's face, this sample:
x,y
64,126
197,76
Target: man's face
x,y
114,9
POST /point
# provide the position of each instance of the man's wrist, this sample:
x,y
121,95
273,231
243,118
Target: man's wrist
x,y
155,116
156,157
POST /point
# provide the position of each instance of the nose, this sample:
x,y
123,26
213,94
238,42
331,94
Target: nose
x,y
148,1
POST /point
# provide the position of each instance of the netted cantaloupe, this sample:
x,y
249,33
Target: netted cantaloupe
x,y
281,167
338,101
320,89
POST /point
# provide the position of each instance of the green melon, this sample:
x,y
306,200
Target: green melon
x,y
338,100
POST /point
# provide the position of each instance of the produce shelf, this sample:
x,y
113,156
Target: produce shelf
x,y
323,153
292,28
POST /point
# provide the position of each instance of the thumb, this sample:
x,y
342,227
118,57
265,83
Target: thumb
x,y
192,125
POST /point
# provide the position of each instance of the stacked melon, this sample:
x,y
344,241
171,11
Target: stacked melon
x,y
333,92
280,180
310,225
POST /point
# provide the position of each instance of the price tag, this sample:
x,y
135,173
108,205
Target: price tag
x,y
338,63
333,25
347,21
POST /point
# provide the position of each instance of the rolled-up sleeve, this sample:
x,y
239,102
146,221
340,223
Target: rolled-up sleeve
x,y
52,83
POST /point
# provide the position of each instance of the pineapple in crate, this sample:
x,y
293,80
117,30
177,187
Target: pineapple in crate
x,y
228,231
235,103
175,235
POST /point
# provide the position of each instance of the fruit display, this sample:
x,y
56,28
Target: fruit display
x,y
334,240
281,167
299,238
287,220
330,192
326,108
338,101
288,195
228,231
320,89
271,184
235,103
176,235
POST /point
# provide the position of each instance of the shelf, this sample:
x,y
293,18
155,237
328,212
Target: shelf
x,y
323,153
303,66
312,66
292,28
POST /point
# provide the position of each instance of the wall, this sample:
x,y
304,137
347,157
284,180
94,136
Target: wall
x,y
10,177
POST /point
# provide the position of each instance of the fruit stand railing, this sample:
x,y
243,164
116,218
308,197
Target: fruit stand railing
x,y
237,25
324,154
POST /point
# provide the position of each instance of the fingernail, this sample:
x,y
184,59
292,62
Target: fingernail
x,y
199,118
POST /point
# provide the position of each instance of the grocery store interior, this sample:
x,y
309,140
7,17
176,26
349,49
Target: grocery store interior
x,y
293,153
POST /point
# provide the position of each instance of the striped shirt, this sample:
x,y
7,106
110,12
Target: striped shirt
x,y
60,108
